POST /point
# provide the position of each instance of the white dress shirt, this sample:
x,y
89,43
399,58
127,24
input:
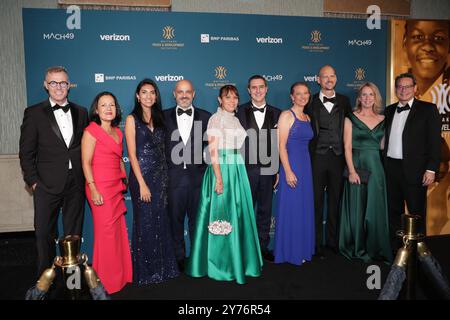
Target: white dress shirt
x,y
395,148
328,105
260,116
64,121
184,123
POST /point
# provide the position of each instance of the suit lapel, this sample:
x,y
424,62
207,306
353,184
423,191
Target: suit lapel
x,y
411,115
53,123
389,117
174,126
250,119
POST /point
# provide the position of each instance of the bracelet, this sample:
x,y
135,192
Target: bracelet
x,y
91,182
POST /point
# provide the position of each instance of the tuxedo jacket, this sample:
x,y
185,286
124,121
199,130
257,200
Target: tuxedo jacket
x,y
44,156
421,139
313,111
192,151
248,121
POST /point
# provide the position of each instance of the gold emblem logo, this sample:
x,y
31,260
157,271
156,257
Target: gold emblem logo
x,y
360,74
168,32
315,36
221,72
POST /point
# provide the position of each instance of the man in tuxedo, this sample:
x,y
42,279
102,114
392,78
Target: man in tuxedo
x,y
50,157
186,126
412,152
327,111
261,155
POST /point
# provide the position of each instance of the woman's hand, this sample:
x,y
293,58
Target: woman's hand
x,y
219,187
353,178
145,194
96,197
277,179
291,179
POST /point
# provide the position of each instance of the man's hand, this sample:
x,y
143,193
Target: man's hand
x,y
428,178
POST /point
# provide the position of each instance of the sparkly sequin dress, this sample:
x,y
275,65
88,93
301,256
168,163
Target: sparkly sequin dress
x,y
152,248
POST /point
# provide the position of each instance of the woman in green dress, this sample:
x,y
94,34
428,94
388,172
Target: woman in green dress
x,y
364,226
225,245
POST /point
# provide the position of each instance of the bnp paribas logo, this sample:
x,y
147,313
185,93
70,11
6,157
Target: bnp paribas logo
x,y
315,36
314,42
220,72
168,32
360,74
168,41
220,78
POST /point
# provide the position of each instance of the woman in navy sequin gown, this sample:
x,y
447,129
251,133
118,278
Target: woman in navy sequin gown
x,y
151,247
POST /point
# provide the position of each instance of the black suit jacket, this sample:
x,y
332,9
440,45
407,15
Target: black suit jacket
x,y
44,156
313,111
421,139
193,151
247,120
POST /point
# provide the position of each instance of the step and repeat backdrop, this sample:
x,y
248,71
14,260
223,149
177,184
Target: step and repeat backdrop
x,y
114,50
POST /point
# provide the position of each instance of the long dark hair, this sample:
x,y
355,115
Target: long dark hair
x,y
156,110
93,115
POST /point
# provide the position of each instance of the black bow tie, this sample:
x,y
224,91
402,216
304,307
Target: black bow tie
x,y
258,109
181,111
65,108
404,108
332,100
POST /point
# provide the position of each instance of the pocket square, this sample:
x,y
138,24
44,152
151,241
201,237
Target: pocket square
x,y
276,125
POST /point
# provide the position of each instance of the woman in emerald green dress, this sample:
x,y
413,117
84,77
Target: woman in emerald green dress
x,y
364,227
225,245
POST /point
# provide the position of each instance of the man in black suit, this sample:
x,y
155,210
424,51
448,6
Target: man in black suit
x,y
261,155
186,127
327,111
50,157
412,152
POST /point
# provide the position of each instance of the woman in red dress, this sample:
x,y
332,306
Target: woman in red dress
x,y
103,167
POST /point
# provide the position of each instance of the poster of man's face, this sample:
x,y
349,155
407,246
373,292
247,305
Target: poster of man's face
x,y
422,48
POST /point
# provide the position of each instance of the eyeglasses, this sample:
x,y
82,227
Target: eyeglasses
x,y
62,84
405,87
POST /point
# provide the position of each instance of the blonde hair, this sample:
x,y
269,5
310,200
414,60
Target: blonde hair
x,y
378,103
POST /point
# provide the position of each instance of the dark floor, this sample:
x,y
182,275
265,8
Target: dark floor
x,y
332,278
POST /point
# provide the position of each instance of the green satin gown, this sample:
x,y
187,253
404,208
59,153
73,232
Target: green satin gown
x,y
236,255
364,226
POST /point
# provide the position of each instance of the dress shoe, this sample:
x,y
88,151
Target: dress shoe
x,y
181,265
268,255
320,253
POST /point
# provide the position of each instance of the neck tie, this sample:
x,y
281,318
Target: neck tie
x,y
65,108
332,100
258,109
181,111
404,108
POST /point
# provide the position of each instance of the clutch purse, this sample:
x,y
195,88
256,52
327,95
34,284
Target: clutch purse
x,y
362,173
221,226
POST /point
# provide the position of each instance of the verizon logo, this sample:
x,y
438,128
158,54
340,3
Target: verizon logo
x,y
269,40
168,77
115,37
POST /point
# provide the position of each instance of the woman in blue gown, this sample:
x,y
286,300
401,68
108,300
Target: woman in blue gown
x,y
151,247
294,224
